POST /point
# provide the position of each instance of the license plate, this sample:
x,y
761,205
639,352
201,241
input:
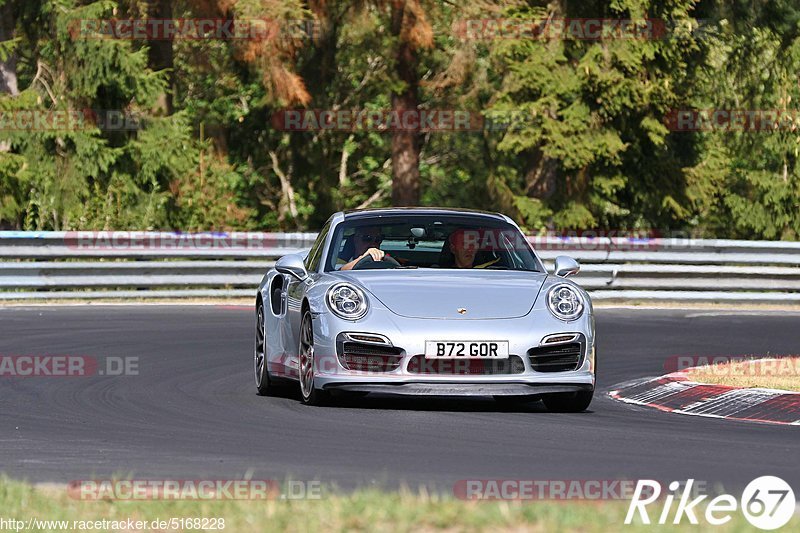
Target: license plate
x,y
466,349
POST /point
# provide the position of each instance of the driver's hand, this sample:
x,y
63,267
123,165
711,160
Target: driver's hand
x,y
376,254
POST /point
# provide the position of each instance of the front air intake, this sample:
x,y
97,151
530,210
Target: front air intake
x,y
369,357
557,358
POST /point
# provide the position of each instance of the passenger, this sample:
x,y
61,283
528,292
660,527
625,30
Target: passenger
x,y
463,245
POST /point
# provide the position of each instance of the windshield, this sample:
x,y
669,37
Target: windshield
x,y
429,241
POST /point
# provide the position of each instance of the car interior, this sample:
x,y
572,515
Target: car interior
x,y
427,246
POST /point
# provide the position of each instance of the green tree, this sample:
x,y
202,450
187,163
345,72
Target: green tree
x,y
746,183
588,147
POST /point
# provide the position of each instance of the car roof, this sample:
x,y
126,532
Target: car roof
x,y
382,211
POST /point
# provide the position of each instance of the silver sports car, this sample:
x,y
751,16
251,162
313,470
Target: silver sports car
x,y
425,301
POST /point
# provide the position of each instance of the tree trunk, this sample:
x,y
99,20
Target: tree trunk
x,y
8,68
320,73
541,176
160,55
405,144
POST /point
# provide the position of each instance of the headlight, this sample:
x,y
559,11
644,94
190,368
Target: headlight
x,y
564,302
347,301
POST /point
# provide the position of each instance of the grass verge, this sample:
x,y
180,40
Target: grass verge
x,y
781,374
363,510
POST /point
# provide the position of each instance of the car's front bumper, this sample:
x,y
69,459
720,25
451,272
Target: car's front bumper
x,y
410,334
460,389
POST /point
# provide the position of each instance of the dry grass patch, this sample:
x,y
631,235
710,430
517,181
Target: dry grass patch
x,y
774,373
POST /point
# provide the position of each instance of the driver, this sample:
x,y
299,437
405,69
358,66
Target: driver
x,y
367,241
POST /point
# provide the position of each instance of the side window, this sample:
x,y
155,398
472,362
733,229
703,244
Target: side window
x,y
314,256
338,255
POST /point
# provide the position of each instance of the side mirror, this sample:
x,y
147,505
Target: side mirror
x,y
566,266
293,265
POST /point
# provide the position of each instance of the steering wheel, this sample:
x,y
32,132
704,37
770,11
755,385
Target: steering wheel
x,y
367,262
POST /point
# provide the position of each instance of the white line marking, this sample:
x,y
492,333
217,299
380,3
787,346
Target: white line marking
x,y
739,313
662,391
729,403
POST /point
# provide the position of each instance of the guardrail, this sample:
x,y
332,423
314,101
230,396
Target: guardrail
x,y
108,265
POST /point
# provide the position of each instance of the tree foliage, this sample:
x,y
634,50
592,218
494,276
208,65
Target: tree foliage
x,y
576,132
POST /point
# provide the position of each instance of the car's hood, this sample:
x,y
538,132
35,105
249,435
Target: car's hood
x,y
441,294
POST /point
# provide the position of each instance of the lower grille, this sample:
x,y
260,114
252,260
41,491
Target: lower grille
x,y
558,358
370,357
466,367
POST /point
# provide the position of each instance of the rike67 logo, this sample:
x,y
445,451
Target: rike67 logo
x,y
767,502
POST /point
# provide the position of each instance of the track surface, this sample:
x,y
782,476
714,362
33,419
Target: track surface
x,y
192,411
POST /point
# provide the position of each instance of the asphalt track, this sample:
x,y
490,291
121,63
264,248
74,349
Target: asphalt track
x,y
192,411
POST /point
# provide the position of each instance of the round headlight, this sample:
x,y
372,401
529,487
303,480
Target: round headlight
x,y
347,301
564,302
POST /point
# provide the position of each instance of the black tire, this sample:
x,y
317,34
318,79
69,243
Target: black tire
x,y
263,381
309,394
568,402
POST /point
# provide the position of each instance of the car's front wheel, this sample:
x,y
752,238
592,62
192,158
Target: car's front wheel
x,y
263,382
568,402
309,393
